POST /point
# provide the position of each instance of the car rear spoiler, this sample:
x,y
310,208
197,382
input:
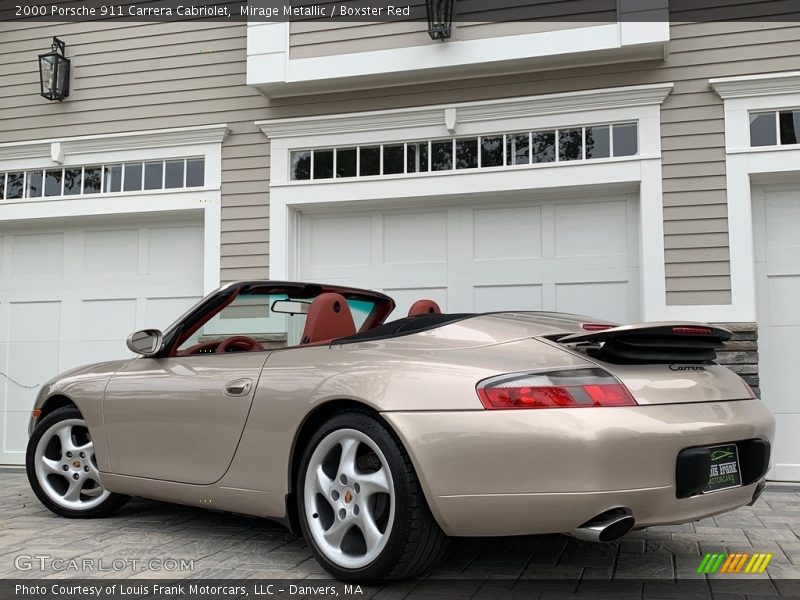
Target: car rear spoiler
x,y
661,342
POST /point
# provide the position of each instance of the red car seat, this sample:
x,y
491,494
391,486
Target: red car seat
x,y
328,318
424,307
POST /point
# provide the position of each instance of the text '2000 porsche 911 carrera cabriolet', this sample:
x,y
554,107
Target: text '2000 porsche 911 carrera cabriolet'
x,y
377,440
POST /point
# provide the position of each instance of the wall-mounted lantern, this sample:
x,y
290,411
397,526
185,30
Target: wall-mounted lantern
x,y
54,72
440,18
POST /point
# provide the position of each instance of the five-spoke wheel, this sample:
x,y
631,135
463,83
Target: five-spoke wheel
x,y
62,467
361,507
349,497
66,468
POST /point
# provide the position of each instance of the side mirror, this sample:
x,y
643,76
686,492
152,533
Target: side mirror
x,y
145,342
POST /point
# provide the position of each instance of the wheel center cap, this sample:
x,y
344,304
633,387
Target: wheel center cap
x,y
348,496
76,464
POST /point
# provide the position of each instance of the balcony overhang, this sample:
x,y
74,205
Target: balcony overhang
x,y
272,71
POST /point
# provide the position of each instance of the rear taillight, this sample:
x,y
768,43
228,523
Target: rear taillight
x,y
569,388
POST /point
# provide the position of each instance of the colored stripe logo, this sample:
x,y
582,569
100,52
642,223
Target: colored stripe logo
x,y
741,562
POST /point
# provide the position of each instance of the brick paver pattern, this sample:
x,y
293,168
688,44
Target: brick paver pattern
x,y
230,546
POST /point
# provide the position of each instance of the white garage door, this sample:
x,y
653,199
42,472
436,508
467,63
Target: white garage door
x,y
573,256
776,216
70,295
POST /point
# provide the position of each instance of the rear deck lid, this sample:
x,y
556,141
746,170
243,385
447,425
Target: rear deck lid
x,y
658,342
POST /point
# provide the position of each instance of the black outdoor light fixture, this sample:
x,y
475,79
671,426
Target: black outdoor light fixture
x,y
54,72
440,18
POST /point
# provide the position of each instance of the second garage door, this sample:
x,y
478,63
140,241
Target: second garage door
x,y
568,255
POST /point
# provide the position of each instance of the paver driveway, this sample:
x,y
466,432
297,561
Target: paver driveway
x,y
230,546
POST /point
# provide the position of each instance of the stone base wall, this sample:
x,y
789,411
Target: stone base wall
x,y
740,354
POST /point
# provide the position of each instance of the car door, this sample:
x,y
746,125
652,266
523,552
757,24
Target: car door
x,y
180,418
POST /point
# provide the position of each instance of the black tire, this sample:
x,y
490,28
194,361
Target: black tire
x,y
415,541
103,509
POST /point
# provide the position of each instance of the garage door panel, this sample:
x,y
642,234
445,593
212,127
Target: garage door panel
x,y
548,271
175,249
29,363
783,268
15,430
493,256
34,321
423,274
783,223
606,300
591,229
93,351
162,312
124,259
414,238
779,364
36,255
508,297
784,300
787,446
339,241
507,233
108,319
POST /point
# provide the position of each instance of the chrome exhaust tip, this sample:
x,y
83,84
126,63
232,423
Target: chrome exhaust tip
x,y
605,527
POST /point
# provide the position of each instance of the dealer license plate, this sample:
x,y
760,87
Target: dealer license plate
x,y
724,471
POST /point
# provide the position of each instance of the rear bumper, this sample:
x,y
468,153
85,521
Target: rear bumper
x,y
548,471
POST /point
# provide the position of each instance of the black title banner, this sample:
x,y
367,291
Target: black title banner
x,y
344,11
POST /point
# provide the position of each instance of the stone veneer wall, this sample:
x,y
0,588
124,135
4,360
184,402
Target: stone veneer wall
x,y
740,354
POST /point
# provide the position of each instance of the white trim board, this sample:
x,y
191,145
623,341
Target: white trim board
x,y
271,69
744,164
639,103
205,141
549,105
751,86
129,140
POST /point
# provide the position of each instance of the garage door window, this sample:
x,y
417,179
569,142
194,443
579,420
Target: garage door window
x,y
774,128
498,150
111,179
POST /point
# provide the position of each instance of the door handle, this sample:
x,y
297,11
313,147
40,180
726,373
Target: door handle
x,y
239,387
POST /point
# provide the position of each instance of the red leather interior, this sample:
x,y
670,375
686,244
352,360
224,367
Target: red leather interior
x,y
328,318
424,307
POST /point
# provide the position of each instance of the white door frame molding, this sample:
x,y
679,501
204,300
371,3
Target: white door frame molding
x,y
204,202
745,165
638,103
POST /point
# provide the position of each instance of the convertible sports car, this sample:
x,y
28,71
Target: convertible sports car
x,y
378,440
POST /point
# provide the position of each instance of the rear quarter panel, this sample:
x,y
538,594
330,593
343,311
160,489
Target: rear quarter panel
x,y
388,379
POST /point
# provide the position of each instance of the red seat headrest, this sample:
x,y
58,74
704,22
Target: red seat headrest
x,y
328,318
424,307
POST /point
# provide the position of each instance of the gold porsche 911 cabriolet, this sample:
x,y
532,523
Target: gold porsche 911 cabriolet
x,y
378,440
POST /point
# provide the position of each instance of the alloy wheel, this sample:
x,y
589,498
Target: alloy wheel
x,y
349,498
66,468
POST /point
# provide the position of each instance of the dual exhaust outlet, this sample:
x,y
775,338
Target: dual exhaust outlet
x,y
606,527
